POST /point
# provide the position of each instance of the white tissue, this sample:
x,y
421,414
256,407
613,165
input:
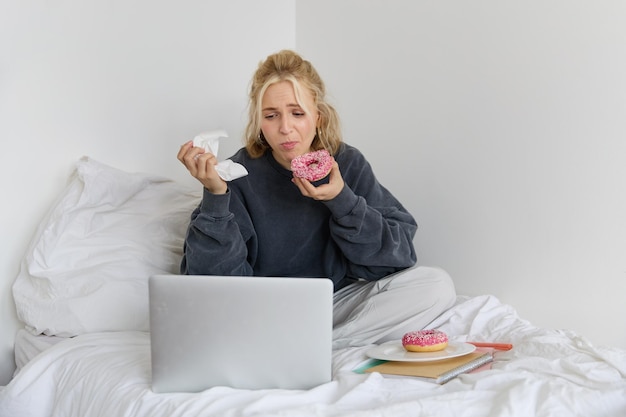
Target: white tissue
x,y
227,169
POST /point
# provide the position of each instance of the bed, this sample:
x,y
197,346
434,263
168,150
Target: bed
x,y
85,347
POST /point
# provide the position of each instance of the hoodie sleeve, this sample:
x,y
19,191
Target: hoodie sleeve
x,y
216,244
372,228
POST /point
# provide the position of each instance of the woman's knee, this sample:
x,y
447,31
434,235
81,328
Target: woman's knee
x,y
426,281
446,291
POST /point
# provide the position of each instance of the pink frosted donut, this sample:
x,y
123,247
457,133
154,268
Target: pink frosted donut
x,y
425,341
312,166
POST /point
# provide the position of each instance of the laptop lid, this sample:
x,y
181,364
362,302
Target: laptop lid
x,y
241,332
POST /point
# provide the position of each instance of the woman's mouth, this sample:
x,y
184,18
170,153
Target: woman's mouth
x,y
288,145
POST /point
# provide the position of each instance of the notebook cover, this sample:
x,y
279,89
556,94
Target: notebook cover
x,y
436,371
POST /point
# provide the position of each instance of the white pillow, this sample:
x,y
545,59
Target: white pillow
x,y
87,268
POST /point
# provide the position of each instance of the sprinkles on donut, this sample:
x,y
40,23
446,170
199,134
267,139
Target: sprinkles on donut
x,y
312,166
425,341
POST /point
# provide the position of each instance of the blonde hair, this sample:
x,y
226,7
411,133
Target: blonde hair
x,y
289,66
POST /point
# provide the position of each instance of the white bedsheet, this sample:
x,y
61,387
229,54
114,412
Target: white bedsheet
x,y
28,345
548,373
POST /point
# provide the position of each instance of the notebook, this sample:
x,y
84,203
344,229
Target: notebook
x,y
438,372
240,332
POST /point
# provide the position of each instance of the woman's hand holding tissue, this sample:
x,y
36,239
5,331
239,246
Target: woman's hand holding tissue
x,y
200,157
202,166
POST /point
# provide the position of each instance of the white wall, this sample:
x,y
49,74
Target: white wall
x,y
123,82
502,126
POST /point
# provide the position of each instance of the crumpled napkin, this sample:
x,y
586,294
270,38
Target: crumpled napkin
x,y
227,169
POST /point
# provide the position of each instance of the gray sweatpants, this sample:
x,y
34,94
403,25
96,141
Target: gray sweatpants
x,y
375,312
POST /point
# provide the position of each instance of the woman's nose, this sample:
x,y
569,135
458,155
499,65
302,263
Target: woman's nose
x,y
284,126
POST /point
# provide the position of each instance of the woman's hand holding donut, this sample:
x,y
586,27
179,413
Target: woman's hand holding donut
x,y
201,165
322,192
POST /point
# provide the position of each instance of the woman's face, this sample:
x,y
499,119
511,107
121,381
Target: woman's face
x,y
287,128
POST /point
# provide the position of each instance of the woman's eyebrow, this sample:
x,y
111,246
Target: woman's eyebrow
x,y
296,105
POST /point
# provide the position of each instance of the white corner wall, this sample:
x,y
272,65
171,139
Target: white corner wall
x,y
125,83
502,127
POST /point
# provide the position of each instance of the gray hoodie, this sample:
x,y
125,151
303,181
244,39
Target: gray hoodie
x,y
264,226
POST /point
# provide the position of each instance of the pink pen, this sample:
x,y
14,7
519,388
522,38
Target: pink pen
x,y
497,346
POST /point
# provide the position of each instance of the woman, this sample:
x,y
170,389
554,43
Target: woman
x,y
270,223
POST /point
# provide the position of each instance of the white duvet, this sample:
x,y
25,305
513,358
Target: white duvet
x,y
548,373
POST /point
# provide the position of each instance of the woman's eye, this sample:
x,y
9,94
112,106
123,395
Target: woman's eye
x,y
298,113
269,116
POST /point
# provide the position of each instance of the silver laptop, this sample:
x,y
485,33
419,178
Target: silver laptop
x,y
240,332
